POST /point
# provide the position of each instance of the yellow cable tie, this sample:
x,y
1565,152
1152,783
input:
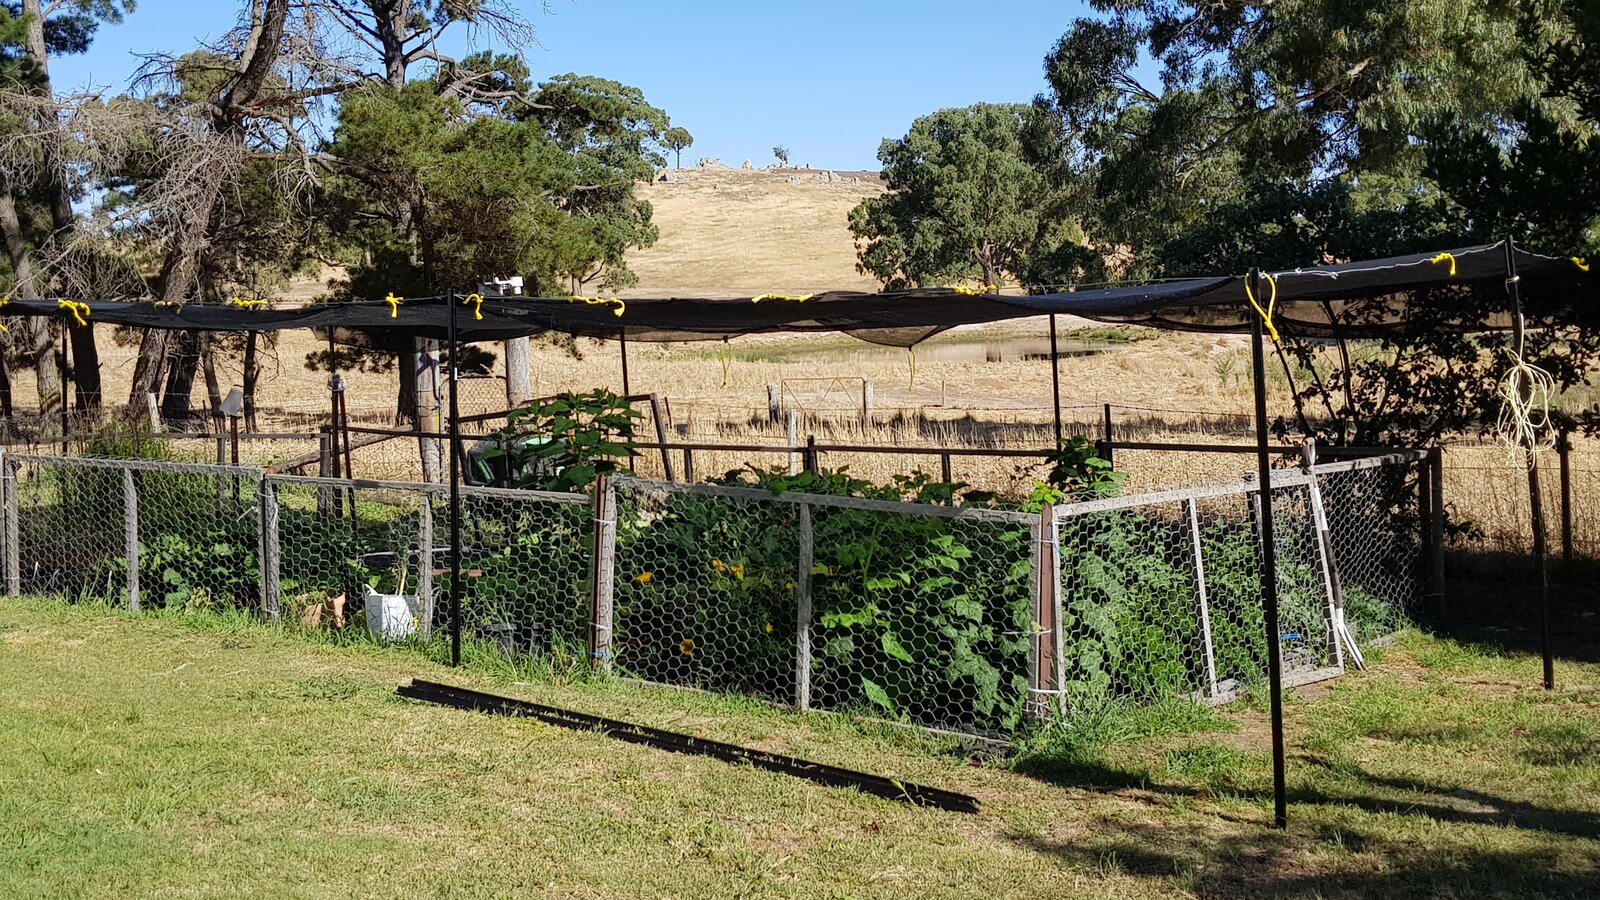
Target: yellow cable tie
x,y
1272,302
975,292
788,297
1581,263
170,304
247,304
80,311
4,301
1446,257
476,302
601,301
394,305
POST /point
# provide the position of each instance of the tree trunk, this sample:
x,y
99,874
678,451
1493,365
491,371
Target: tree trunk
x,y
36,341
428,412
208,368
185,362
86,368
519,372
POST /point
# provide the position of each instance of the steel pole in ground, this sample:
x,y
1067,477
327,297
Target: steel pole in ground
x,y
1269,561
1535,497
1055,380
455,495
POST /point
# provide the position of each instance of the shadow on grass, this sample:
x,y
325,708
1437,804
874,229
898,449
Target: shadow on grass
x,y
1505,614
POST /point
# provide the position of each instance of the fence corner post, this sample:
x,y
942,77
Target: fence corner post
x,y
130,535
802,638
605,546
271,550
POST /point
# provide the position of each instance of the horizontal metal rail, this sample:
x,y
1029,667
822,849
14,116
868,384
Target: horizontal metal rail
x,y
976,513
138,465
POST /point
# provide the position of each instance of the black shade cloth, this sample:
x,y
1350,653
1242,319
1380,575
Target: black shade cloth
x,y
1461,290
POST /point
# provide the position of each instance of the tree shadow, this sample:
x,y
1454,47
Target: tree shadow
x,y
1505,615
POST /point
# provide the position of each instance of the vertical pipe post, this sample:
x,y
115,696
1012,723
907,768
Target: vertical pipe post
x,y
1536,499
325,470
945,470
802,634
1044,657
271,550
66,379
1437,589
622,343
130,535
425,597
455,491
813,463
1326,563
1110,448
1201,595
1055,383
1564,458
688,465
661,435
1269,561
603,607
222,460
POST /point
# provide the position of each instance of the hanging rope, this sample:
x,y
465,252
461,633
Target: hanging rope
x,y
601,301
1272,303
1524,425
394,305
80,311
476,302
801,298
975,292
1446,257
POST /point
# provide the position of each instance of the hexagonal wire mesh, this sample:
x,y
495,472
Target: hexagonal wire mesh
x,y
918,612
134,532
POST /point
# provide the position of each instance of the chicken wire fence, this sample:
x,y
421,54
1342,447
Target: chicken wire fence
x,y
948,617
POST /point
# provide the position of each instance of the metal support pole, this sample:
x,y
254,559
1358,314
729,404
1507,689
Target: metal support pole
x,y
1434,472
946,474
1564,458
661,436
1108,448
1044,658
688,465
603,609
1201,595
622,341
271,551
1536,499
1055,383
802,635
455,493
130,535
1269,562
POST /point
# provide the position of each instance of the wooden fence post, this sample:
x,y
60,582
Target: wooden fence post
x,y
802,655
791,434
271,551
688,465
130,535
605,545
425,598
661,435
866,402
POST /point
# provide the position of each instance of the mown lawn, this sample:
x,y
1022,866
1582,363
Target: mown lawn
x,y
181,756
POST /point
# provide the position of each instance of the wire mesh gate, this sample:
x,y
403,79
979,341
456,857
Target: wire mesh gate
x,y
948,617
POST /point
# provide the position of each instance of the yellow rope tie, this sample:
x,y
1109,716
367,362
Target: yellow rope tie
x,y
170,304
476,302
394,305
80,311
976,292
791,298
247,304
1446,257
3,302
602,301
1272,302
1581,263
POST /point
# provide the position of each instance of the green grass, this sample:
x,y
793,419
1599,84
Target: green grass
x,y
200,755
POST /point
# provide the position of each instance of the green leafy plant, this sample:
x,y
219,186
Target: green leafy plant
x,y
564,443
1079,472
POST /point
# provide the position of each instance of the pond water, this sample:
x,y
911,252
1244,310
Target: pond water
x,y
952,350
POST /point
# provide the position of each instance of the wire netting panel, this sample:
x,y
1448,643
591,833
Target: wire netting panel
x,y
1375,522
706,590
70,530
528,561
1162,600
922,618
199,539
337,540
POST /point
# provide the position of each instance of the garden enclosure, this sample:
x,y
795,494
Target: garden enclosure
x,y
959,618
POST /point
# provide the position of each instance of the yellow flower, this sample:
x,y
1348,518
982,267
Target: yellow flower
x,y
769,628
738,571
788,586
686,648
717,564
644,577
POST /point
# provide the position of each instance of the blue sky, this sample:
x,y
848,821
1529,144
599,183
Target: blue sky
x,y
828,79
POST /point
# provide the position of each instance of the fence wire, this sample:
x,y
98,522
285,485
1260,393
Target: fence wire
x,y
946,617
